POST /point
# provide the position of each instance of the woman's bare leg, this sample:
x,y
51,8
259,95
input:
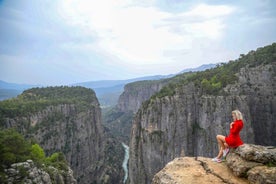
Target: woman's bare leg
x,y
226,145
220,153
222,145
221,141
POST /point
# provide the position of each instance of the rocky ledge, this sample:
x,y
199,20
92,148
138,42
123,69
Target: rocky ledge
x,y
186,170
246,164
257,163
28,173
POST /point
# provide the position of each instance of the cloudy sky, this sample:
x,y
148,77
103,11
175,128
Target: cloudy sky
x,y
67,41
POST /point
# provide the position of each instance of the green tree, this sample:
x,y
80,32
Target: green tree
x,y
13,148
57,160
37,153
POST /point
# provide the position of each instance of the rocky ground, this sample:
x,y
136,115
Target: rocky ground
x,y
247,164
186,170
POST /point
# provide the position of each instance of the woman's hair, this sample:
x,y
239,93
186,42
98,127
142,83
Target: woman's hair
x,y
238,114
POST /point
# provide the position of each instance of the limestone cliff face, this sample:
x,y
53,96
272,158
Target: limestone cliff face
x,y
136,93
119,119
78,133
187,122
259,86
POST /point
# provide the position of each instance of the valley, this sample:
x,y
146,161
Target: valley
x,y
153,121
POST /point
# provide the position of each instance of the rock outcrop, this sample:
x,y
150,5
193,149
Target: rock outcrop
x,y
28,173
188,120
187,170
257,163
249,163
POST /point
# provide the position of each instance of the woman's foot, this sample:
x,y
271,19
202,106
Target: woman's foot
x,y
225,152
216,159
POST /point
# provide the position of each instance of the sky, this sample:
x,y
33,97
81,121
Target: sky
x,y
63,42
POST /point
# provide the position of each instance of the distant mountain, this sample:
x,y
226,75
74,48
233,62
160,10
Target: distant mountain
x,y
107,91
8,93
112,83
200,68
19,87
10,90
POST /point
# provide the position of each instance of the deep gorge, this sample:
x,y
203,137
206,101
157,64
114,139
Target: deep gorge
x,y
159,120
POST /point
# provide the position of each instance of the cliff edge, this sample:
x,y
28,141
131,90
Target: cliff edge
x,y
247,164
28,173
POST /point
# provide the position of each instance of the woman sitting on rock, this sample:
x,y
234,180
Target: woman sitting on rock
x,y
233,140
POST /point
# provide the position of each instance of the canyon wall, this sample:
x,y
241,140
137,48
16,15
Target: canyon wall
x,y
136,93
187,122
76,130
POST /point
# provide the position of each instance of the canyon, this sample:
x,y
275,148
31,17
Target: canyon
x,y
184,119
160,120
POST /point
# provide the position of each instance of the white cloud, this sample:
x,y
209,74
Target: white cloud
x,y
82,40
142,34
203,21
210,11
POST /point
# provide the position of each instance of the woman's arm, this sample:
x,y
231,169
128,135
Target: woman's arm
x,y
235,127
231,125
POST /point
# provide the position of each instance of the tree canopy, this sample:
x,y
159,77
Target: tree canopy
x,y
212,81
14,148
36,99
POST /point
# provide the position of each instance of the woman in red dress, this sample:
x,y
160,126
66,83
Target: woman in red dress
x,y
233,140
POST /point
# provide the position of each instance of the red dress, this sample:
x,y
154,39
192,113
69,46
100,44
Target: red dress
x,y
233,139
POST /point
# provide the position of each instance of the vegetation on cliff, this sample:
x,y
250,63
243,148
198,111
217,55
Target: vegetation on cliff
x,y
14,148
134,87
63,119
35,99
212,81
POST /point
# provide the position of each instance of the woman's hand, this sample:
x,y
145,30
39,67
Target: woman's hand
x,y
231,124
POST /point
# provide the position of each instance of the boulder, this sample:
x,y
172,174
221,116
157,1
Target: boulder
x,y
256,153
262,174
255,162
240,166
